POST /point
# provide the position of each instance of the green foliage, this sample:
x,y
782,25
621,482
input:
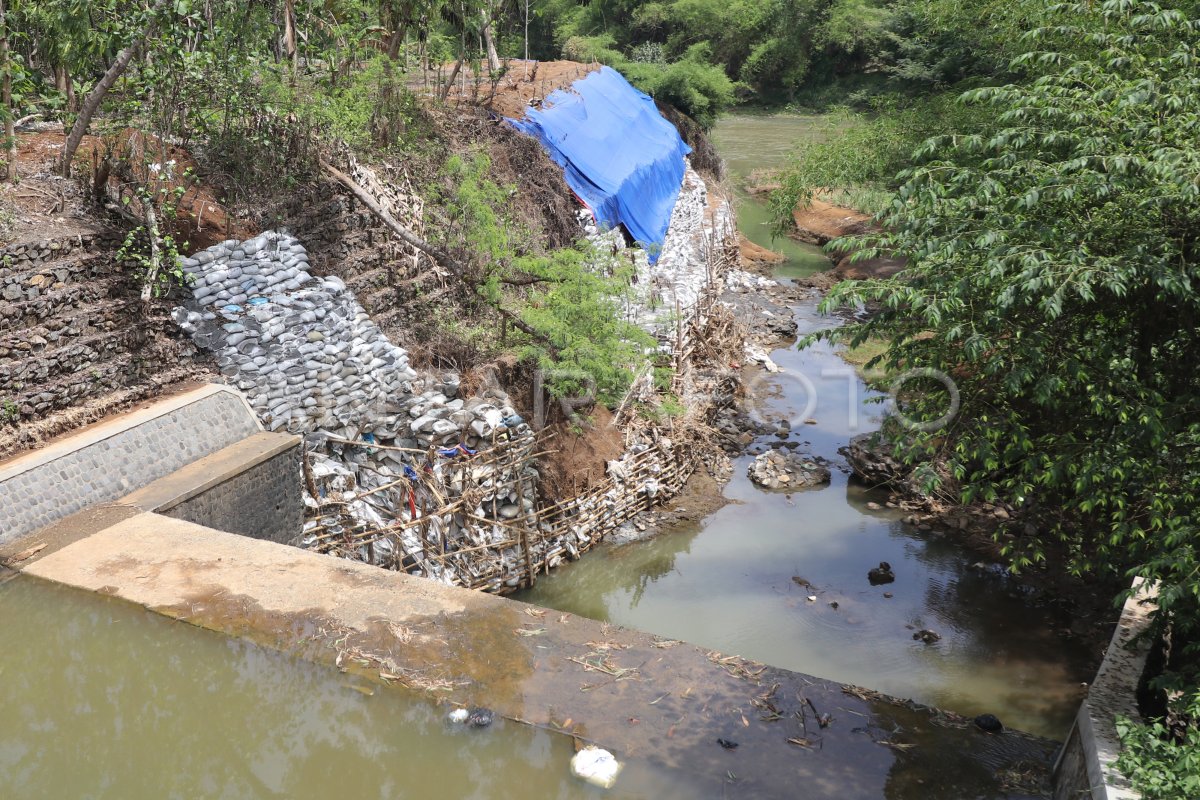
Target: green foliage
x,y
861,155
1053,269
571,301
583,338
370,107
694,86
149,249
1163,764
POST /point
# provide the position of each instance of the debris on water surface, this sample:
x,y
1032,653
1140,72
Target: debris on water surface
x,y
480,717
727,744
596,766
459,715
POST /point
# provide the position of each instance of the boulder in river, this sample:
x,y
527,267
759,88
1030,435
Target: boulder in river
x,y
781,469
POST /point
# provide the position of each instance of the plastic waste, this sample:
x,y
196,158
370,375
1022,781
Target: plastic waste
x,y
596,766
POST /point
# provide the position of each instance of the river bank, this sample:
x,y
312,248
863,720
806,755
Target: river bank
x,y
782,577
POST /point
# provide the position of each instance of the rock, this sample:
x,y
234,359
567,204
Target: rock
x,y
870,460
480,717
881,574
989,723
782,468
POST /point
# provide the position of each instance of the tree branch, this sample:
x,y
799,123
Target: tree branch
x,y
437,254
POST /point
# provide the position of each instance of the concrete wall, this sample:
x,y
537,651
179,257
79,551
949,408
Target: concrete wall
x,y
252,488
108,461
1085,770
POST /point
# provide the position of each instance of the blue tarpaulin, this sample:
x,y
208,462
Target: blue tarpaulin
x,y
619,155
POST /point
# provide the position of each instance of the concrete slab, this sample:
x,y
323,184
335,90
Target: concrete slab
x,y
629,691
106,461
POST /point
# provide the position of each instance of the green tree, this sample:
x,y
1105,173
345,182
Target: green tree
x,y
1053,272
566,304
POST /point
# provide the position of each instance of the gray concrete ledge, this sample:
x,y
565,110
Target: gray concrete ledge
x,y
108,460
1085,767
210,471
638,695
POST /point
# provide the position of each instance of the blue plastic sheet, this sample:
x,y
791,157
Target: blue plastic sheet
x,y
619,155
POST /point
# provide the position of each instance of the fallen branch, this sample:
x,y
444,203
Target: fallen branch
x,y
437,254
379,211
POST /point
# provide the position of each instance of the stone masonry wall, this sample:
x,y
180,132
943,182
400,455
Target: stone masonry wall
x,y
109,461
263,502
73,333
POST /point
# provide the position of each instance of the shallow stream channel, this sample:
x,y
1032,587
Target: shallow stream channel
x,y
782,578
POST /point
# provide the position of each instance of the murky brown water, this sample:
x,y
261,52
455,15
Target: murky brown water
x,y
736,582
102,699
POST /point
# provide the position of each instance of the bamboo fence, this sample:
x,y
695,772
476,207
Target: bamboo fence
x,y
452,518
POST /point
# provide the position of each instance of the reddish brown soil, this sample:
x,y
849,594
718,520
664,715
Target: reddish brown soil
x,y
202,221
524,84
755,257
577,459
820,222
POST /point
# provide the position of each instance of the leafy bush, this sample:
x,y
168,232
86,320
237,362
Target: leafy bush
x,y
569,313
1161,765
694,86
861,155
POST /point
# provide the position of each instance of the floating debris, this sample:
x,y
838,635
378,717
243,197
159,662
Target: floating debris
x,y
596,766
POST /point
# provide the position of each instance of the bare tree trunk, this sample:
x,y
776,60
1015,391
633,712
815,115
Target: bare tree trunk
x,y
396,40
450,83
63,82
10,136
492,57
91,103
155,256
289,34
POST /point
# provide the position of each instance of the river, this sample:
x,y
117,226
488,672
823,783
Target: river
x,y
741,580
105,699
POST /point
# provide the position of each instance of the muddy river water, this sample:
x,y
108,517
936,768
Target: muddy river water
x,y
741,580
102,699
